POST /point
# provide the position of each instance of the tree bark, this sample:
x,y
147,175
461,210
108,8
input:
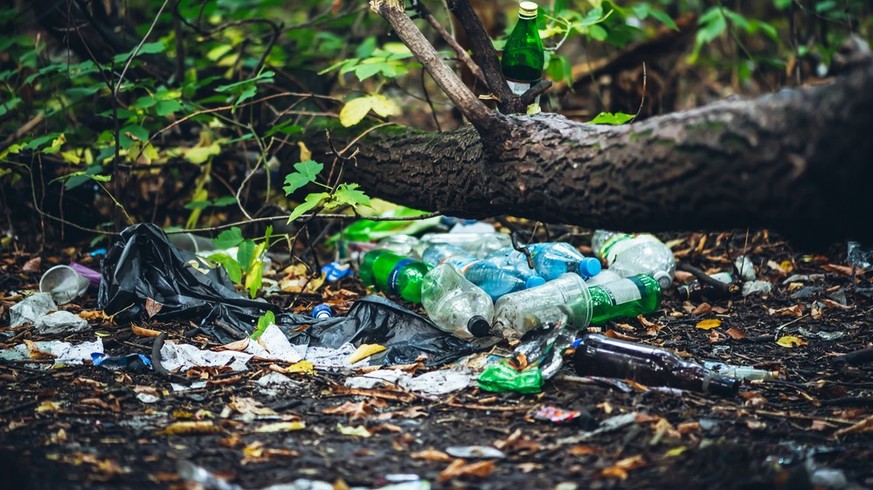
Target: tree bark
x,y
799,162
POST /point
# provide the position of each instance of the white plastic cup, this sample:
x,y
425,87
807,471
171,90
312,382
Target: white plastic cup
x,y
63,283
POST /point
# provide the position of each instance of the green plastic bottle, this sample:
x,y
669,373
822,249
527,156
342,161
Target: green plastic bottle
x,y
523,56
394,274
625,298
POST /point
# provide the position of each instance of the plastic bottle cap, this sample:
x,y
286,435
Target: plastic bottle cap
x,y
589,267
534,281
322,311
527,9
663,278
479,326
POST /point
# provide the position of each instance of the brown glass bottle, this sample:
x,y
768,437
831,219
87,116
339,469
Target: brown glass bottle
x,y
696,290
598,355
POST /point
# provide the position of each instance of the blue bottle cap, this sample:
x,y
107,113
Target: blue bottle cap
x,y
589,267
322,311
335,271
534,281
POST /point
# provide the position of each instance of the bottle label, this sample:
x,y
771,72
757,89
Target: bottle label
x,y
518,88
625,291
395,272
619,243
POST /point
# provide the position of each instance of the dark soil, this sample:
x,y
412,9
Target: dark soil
x,y
84,427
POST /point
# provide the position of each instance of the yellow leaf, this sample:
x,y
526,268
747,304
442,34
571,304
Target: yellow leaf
x,y
282,426
355,110
359,431
790,341
305,153
304,367
676,451
709,324
144,332
190,427
254,450
365,351
48,406
384,106
200,154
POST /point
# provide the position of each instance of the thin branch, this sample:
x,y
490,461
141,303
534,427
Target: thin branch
x,y
462,53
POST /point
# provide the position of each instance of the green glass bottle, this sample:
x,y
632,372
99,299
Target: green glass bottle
x,y
394,274
625,298
523,57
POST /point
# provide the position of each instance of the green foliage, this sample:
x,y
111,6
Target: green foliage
x,y
247,266
264,321
610,118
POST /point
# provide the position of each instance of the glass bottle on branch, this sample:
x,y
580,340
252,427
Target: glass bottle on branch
x,y
523,56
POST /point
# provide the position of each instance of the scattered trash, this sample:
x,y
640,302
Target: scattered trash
x,y
475,452
745,268
821,334
147,398
335,271
503,376
31,309
63,283
859,256
630,255
61,352
556,415
190,242
203,478
478,245
757,287
599,355
273,345
803,278
456,305
609,425
60,323
181,357
438,382
275,379
746,373
696,290
130,362
550,260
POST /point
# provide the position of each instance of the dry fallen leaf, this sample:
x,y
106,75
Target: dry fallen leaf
x,y
365,351
152,307
302,367
676,451
359,431
355,410
431,455
736,333
282,426
190,427
795,311
144,332
93,315
620,336
459,469
32,265
583,450
237,345
865,425
708,324
35,353
702,309
620,468
48,406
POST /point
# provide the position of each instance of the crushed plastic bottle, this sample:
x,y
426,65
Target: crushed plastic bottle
x,y
569,295
629,255
399,244
336,270
394,274
477,245
859,256
551,259
455,304
495,279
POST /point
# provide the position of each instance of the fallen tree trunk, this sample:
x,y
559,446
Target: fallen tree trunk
x,y
799,162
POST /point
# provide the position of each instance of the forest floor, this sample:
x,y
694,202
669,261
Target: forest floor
x,y
811,427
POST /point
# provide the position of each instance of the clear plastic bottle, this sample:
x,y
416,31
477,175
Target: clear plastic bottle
x,y
455,304
551,259
495,279
603,277
476,244
394,274
629,255
399,244
598,355
570,297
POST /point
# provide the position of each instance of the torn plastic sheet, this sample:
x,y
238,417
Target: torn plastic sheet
x,y
274,345
438,382
63,352
144,268
185,356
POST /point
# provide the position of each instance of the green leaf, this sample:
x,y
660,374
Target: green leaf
x,y
312,201
230,265
612,118
147,48
264,321
36,143
355,110
9,105
224,201
245,254
665,19
228,238
349,194
200,154
306,172
365,71
254,278
167,107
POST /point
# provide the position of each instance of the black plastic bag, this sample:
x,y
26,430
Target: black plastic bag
x,y
406,335
144,266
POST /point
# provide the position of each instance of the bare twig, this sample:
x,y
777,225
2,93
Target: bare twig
x,y
462,53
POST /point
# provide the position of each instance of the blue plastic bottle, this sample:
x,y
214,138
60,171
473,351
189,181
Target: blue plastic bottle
x,y
551,259
491,276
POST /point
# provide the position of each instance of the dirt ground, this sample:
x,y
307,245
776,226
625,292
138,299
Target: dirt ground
x,y
88,427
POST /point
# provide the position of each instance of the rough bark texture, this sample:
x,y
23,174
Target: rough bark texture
x,y
799,162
